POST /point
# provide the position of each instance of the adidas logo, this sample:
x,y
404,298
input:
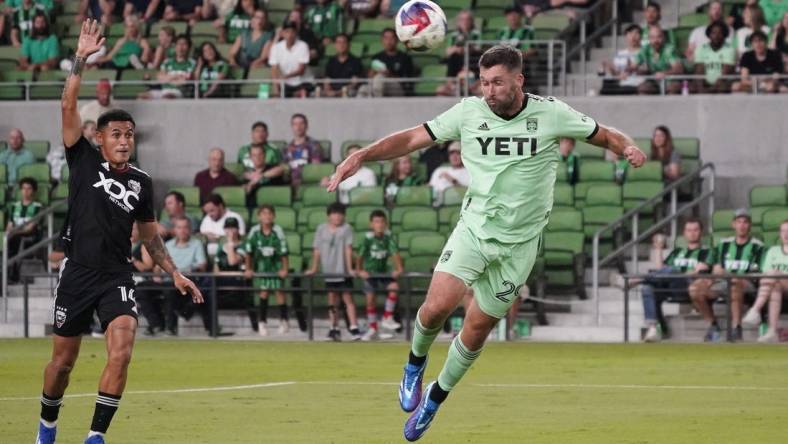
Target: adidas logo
x,y
484,127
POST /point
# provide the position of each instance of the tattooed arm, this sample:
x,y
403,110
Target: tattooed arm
x,y
90,41
158,252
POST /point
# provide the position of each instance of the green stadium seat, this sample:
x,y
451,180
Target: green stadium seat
x,y
358,216
768,196
681,34
587,151
422,220
305,214
772,219
419,195
259,74
285,218
693,20
603,205
564,195
307,241
236,168
94,75
366,196
592,173
233,196
422,59
425,87
275,195
426,245
721,220
313,173
3,174
453,196
294,246
191,195
180,27
556,22
446,214
317,196
398,212
60,192
403,239
651,171
314,219
603,195
325,145
38,171
373,26
203,29
564,241
636,193
687,147
560,173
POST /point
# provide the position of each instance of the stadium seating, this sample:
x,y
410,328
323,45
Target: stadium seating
x,y
603,205
764,198
771,225
191,195
592,173
564,258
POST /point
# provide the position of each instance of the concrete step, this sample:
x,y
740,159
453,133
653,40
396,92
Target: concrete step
x,y
590,320
581,334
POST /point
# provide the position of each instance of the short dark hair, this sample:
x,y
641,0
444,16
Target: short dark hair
x,y
335,207
258,124
694,220
214,199
184,37
268,207
342,34
758,34
299,115
654,5
718,24
512,9
178,196
506,55
377,213
30,181
169,30
256,145
114,115
385,30
633,27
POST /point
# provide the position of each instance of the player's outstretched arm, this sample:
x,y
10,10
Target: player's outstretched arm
x,y
90,41
390,147
619,143
149,234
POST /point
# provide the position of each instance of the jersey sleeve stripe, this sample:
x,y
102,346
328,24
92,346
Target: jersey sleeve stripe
x,y
593,133
429,131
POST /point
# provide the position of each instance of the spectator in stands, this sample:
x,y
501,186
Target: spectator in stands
x,y
212,226
22,21
455,52
130,51
401,175
148,10
175,72
735,15
774,10
102,10
663,151
302,149
570,160
216,175
433,157
101,104
41,50
326,20
388,63
653,17
682,260
183,11
779,39
624,65
267,170
56,157
304,34
16,154
211,70
771,289
175,208
659,60
236,22
714,60
19,215
699,36
252,48
533,7
332,250
760,61
364,177
516,33
451,175
149,301
343,65
289,62
217,9
360,9
229,258
259,137
753,21
740,254
166,47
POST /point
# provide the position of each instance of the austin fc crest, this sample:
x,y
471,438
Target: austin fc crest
x,y
446,255
531,125
135,186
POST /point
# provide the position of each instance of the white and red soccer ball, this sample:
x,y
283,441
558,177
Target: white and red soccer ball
x,y
420,25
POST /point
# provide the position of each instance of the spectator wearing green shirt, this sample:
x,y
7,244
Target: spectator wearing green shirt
x,y
714,60
259,137
130,51
211,70
401,175
773,10
570,160
175,72
775,261
252,47
455,54
268,169
41,51
22,14
516,33
326,20
236,22
19,215
653,16
16,154
658,59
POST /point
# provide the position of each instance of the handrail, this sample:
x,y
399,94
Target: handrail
x,y
672,217
585,41
45,213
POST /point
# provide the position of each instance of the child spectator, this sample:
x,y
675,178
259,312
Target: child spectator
x,y
373,258
266,252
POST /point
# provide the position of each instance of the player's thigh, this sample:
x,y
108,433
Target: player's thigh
x,y
76,295
500,285
117,299
460,265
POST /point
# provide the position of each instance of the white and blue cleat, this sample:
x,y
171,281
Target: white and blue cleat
x,y
95,439
410,387
46,435
420,420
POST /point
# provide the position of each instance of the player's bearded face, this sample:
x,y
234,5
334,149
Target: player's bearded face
x,y
117,142
500,88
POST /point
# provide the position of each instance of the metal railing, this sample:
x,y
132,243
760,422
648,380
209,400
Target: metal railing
x,y
637,237
673,84
48,214
585,41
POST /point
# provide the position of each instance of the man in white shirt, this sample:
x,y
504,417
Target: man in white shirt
x,y
450,175
103,103
364,177
212,226
698,36
289,61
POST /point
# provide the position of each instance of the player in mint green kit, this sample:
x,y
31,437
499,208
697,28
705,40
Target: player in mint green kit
x,y
775,261
510,148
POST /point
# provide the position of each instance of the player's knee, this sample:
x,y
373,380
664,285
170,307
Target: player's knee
x,y
120,357
431,313
62,367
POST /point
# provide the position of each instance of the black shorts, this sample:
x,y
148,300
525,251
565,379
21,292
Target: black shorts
x,y
373,284
80,291
343,285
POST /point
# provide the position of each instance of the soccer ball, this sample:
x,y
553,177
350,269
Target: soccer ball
x,y
420,25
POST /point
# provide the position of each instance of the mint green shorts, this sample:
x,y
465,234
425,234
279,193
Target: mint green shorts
x,y
495,271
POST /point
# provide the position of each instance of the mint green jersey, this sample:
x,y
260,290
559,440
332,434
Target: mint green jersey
x,y
714,60
776,259
512,162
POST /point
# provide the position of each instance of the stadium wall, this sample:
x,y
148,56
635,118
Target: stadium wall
x,y
744,136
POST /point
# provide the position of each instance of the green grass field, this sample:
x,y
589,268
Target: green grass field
x,y
343,393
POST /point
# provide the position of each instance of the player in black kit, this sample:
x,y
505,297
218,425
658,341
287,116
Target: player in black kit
x,y
106,196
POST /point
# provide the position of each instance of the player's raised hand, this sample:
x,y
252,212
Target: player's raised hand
x,y
347,168
90,39
635,156
185,285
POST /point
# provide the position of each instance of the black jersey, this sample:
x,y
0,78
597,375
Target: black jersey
x,y
103,204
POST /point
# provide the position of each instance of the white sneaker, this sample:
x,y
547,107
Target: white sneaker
x,y
385,335
752,318
652,334
284,327
370,335
769,337
262,329
390,324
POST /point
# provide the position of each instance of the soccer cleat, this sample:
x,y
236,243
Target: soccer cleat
x,y
738,335
652,334
385,335
262,329
95,439
46,435
420,420
752,318
769,337
390,324
334,335
712,334
370,335
355,335
284,327
410,387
